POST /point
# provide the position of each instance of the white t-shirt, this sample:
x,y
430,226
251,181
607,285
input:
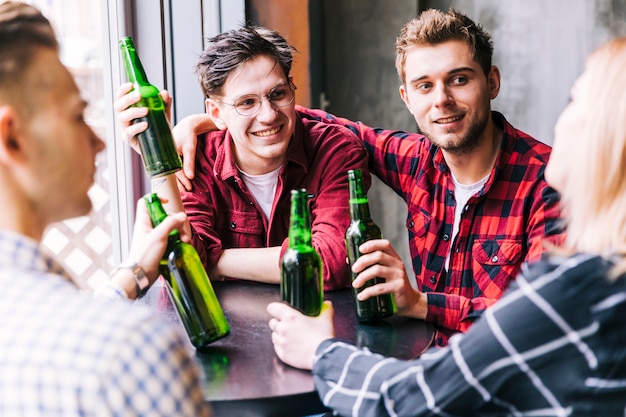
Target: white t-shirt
x,y
263,188
462,194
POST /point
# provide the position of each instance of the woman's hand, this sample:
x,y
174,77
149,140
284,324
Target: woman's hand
x,y
295,336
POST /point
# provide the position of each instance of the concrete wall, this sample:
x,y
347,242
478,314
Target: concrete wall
x,y
540,47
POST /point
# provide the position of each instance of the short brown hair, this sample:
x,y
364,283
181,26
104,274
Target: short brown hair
x,y
434,27
22,29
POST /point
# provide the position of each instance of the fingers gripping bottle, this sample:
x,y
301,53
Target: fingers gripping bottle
x,y
188,285
158,150
362,228
301,266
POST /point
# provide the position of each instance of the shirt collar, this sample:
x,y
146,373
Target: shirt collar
x,y
21,252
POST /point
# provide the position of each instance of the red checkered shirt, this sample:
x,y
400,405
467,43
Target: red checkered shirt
x,y
502,226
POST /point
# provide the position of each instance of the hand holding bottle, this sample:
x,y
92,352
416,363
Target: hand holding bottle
x,y
147,247
362,229
379,259
125,99
292,345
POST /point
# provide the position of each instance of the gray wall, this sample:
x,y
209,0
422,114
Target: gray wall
x,y
540,48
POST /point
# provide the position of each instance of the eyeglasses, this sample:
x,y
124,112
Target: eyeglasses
x,y
250,104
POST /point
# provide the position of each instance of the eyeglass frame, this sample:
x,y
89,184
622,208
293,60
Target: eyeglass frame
x,y
289,83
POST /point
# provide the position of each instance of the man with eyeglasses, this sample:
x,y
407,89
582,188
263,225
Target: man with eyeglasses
x,y
238,206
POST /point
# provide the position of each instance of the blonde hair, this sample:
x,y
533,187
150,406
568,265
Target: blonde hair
x,y
595,192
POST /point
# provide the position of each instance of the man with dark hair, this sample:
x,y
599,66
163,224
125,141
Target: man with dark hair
x,y
238,206
62,352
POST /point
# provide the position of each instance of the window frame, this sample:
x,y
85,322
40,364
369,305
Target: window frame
x,y
169,36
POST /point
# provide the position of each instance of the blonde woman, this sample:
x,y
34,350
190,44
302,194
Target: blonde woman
x,y
555,344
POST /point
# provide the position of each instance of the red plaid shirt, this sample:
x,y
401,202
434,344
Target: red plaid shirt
x,y
502,226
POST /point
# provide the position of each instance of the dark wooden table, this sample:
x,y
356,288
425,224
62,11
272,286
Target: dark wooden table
x,y
242,375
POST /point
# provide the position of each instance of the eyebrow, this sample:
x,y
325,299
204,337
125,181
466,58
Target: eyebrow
x,y
452,72
270,90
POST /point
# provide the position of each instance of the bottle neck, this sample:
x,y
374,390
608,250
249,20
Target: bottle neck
x,y
359,204
132,64
359,209
158,214
300,225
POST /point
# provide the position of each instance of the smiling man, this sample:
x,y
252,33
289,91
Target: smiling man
x,y
238,206
478,203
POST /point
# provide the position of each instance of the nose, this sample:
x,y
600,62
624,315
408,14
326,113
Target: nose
x,y
97,144
442,96
268,111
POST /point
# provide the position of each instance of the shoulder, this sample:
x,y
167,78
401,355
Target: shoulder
x,y
210,142
521,145
321,132
580,272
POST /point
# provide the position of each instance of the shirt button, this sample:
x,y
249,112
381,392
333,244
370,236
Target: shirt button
x,y
411,224
456,250
445,237
433,279
494,258
466,207
233,225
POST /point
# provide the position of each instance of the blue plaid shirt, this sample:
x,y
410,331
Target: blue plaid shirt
x,y
63,353
554,345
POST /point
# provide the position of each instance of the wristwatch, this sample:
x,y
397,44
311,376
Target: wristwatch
x,y
142,284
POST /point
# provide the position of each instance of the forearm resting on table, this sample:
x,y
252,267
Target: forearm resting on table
x,y
254,264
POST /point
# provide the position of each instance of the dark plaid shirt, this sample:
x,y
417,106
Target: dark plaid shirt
x,y
553,345
501,227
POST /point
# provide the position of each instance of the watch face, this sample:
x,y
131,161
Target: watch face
x,y
143,284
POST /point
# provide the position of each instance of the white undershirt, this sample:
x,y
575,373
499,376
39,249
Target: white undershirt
x,y
263,188
462,194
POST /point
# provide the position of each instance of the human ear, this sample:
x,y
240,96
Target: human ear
x,y
493,80
9,143
214,111
405,97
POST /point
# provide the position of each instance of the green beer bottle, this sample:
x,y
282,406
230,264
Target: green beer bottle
x,y
362,228
156,143
301,266
188,285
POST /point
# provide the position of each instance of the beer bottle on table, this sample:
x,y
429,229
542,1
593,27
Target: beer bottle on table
x,y
156,143
188,285
301,266
362,228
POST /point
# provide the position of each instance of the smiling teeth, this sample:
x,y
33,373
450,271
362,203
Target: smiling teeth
x,y
268,132
449,119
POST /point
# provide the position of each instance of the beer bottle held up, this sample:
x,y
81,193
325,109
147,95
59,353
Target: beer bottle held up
x,y
301,266
156,143
362,228
188,285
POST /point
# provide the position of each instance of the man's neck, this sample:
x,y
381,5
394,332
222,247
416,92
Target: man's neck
x,y
473,166
17,213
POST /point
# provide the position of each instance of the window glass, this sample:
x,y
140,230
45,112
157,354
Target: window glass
x,y
83,245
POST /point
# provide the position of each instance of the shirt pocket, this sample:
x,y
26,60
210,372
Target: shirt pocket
x,y
241,229
417,224
497,251
496,262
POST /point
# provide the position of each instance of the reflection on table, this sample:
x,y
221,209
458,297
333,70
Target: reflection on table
x,y
242,375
